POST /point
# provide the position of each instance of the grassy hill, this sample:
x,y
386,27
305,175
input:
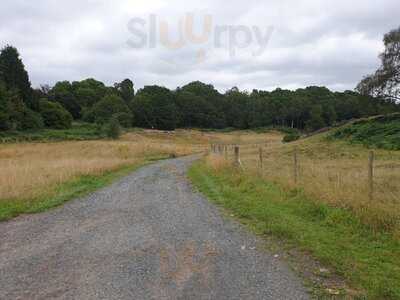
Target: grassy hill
x,y
377,132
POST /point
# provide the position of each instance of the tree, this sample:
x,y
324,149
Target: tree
x,y
237,108
213,104
194,111
15,77
14,115
154,107
85,97
316,120
54,115
385,82
329,114
29,120
21,117
88,92
109,106
63,93
126,90
4,108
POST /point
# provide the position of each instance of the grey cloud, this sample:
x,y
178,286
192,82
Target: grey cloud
x,y
315,42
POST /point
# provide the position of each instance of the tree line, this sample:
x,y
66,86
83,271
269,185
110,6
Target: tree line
x,y
195,105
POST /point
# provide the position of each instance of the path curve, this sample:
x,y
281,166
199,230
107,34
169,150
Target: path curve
x,y
147,236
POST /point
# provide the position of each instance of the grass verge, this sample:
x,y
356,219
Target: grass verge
x,y
370,262
77,187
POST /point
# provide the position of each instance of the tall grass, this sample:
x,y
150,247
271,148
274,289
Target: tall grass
x,y
334,173
32,169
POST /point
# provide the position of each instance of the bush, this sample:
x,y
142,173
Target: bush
x,y
55,115
291,137
113,128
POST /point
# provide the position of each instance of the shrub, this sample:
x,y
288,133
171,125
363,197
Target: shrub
x,y
55,115
113,128
294,136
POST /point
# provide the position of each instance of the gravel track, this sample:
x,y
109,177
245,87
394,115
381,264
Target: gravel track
x,y
147,236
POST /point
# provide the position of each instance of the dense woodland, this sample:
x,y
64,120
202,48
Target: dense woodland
x,y
195,105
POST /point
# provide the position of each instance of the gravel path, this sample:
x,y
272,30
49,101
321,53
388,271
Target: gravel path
x,y
148,236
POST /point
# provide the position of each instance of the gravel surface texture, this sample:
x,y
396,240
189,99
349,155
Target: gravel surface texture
x,y
147,236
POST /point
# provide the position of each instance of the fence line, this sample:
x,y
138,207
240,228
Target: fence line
x,y
223,150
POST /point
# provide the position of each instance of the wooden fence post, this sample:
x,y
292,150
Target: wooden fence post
x,y
261,158
296,165
237,155
238,162
371,175
226,152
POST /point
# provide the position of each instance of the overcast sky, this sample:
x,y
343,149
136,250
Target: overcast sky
x,y
310,42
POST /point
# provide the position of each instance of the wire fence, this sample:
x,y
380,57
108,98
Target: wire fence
x,y
367,180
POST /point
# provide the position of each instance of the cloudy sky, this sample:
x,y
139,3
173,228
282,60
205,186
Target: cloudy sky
x,y
249,44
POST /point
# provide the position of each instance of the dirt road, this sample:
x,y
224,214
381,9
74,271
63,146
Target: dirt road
x,y
148,236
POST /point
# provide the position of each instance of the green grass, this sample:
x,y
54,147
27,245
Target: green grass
x,y
78,132
78,187
378,132
370,262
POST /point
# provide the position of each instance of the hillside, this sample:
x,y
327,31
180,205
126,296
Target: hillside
x,y
378,132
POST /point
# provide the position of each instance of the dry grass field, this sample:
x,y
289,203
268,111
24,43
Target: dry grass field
x,y
333,172
29,170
